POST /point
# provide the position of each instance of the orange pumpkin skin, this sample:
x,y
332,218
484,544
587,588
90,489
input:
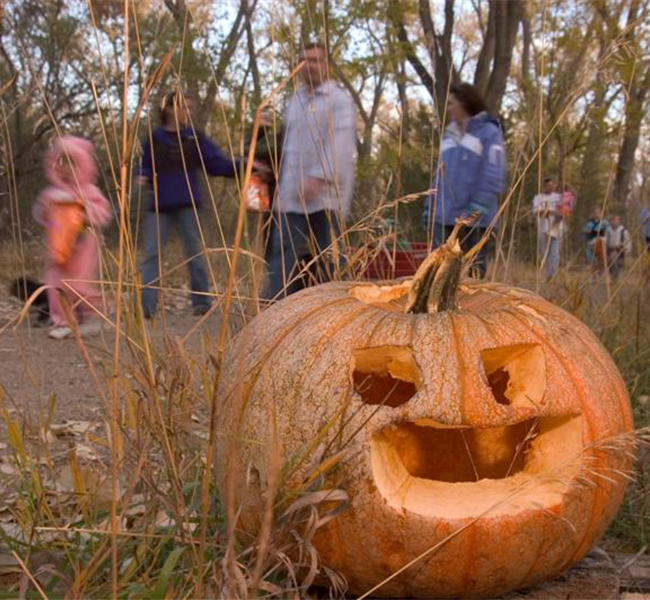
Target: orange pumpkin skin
x,y
505,364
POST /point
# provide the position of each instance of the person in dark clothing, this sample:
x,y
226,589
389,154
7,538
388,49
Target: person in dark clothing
x,y
173,161
268,147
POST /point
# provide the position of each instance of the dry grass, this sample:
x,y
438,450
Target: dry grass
x,y
55,509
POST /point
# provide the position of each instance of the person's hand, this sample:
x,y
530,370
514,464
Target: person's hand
x,y
313,188
471,219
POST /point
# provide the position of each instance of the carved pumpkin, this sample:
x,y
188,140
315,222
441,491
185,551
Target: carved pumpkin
x,y
485,430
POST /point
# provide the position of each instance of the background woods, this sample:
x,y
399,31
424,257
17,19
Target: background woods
x,y
569,81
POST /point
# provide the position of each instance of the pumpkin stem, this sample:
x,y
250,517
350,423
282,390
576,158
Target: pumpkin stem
x,y
435,284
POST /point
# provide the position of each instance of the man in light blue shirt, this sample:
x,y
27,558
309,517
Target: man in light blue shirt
x,y
316,180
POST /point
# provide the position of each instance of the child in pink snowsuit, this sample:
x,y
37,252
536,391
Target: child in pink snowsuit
x,y
70,167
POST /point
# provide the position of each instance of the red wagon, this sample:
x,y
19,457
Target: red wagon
x,y
390,262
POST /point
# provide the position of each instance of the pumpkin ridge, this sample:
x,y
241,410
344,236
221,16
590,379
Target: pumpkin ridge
x,y
588,424
490,329
471,552
541,543
368,343
315,355
444,367
461,361
351,395
540,338
261,362
610,367
251,378
624,413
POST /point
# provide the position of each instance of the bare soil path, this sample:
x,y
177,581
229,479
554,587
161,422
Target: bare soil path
x,y
39,375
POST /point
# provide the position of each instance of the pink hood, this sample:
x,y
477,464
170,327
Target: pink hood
x,y
81,154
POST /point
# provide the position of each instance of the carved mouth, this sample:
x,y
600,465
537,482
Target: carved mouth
x,y
461,472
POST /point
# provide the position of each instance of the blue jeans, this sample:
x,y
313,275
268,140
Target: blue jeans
x,y
156,232
548,251
468,239
295,240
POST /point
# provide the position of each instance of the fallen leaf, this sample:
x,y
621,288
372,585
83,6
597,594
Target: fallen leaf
x,y
47,436
6,469
71,427
8,564
86,452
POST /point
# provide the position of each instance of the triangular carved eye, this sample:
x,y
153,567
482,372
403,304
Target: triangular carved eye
x,y
385,375
516,374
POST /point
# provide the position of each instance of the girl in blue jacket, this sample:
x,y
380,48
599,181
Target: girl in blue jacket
x,y
471,173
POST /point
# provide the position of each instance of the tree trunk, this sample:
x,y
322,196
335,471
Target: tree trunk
x,y
440,51
396,18
183,19
591,185
494,61
508,15
486,56
634,113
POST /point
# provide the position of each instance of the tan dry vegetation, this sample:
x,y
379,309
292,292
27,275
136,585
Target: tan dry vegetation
x,y
56,464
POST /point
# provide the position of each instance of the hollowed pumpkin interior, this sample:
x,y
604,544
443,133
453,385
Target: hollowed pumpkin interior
x,y
516,374
386,375
458,472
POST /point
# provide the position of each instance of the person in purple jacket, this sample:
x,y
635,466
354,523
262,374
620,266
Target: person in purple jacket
x,y
471,173
174,161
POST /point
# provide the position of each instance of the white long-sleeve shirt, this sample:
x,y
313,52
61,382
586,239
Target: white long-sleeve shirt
x,y
545,209
618,239
319,142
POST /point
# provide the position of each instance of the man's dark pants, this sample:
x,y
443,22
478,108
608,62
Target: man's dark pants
x,y
300,251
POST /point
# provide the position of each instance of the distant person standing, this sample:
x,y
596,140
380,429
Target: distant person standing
x,y
619,244
174,162
594,232
470,175
550,226
316,181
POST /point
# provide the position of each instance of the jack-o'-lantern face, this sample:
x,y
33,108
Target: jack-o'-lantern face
x,y
472,432
414,460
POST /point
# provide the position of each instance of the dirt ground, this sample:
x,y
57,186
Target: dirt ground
x,y
39,374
